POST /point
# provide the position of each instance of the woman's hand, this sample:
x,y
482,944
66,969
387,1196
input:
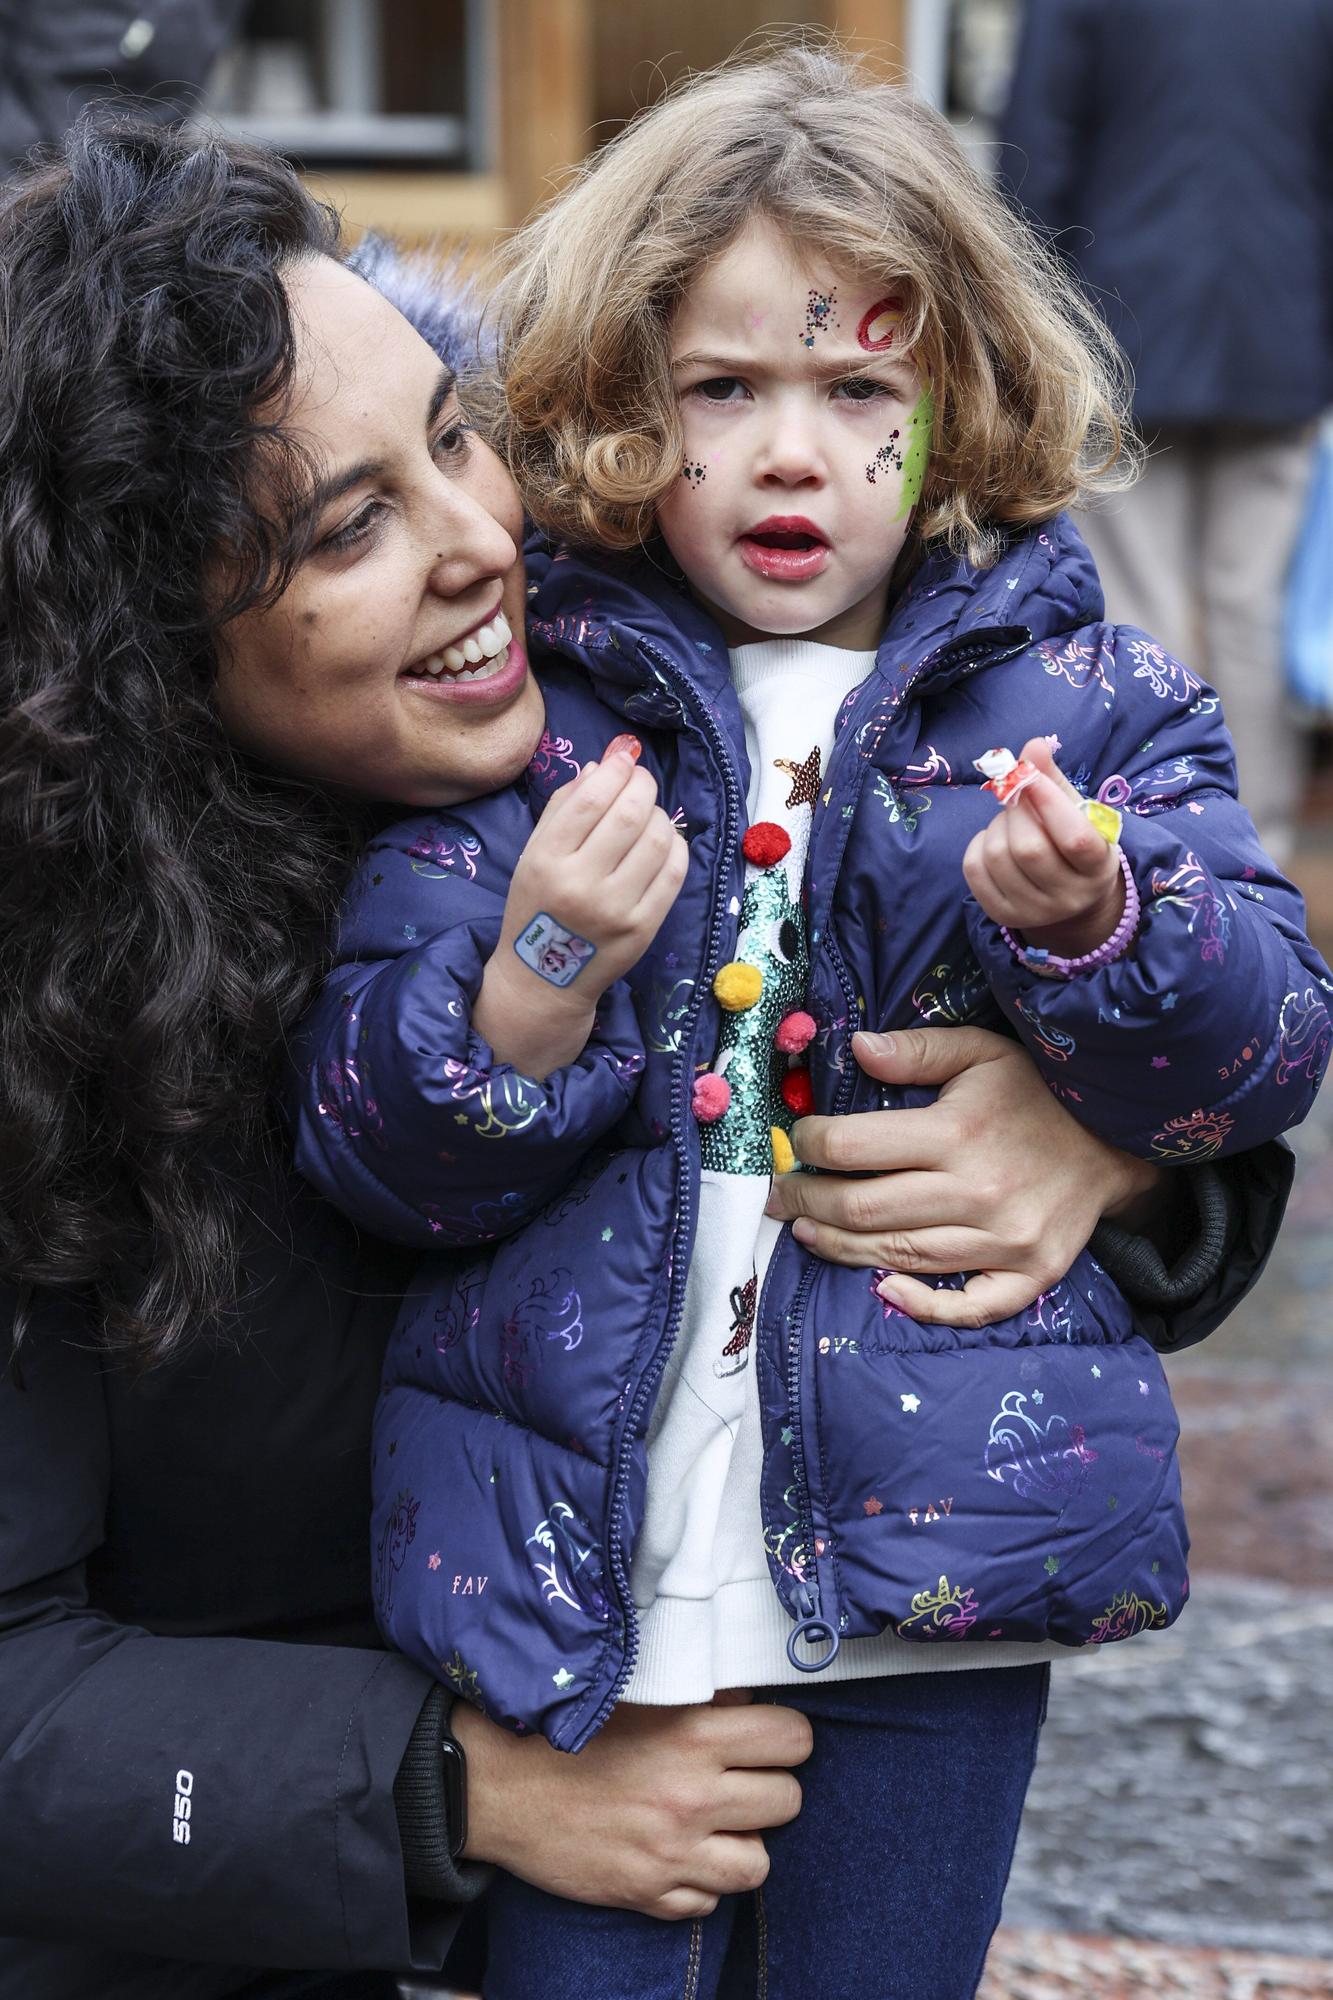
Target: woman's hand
x,y
994,1178
663,1812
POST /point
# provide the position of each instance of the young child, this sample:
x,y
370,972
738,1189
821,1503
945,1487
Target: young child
x,y
782,350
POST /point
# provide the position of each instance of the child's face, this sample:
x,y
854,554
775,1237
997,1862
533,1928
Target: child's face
x,y
805,434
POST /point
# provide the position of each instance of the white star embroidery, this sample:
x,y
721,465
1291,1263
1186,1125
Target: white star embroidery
x,y
910,1403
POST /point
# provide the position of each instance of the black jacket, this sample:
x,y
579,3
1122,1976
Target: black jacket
x,y
185,1588
1183,152
163,1544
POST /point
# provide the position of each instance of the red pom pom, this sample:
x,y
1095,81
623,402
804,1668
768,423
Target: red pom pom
x,y
798,1093
710,1097
765,843
794,1033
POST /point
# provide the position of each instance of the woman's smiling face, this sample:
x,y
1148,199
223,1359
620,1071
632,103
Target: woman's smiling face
x,y
393,666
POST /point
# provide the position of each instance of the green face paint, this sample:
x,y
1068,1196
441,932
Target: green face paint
x,y
916,451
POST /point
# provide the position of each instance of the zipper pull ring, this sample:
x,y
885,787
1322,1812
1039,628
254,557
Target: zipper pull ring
x,y
816,1632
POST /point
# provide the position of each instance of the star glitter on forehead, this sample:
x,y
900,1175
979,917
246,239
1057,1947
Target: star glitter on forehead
x,y
804,778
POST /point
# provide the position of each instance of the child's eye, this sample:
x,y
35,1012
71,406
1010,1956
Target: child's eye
x,y
454,440
719,389
354,531
861,389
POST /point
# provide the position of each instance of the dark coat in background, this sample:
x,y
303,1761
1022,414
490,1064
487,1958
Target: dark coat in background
x,y
1182,151
58,55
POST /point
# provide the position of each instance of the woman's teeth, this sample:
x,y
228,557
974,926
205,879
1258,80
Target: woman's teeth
x,y
478,657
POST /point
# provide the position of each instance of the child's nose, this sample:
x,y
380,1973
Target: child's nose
x,y
791,453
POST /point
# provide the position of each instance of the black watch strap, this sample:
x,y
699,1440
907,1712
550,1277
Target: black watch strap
x,y
431,1806
454,1766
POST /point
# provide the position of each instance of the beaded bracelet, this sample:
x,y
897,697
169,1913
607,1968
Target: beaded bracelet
x,y
1037,959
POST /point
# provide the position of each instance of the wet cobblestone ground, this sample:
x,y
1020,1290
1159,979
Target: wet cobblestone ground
x,y
1179,1833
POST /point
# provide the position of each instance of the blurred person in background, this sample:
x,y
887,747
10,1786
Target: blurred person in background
x,y
1182,156
59,55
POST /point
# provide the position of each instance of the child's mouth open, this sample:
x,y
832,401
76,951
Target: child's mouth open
x,y
786,548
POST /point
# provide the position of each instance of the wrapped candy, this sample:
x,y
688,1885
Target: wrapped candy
x,y
1006,775
1009,777
1106,819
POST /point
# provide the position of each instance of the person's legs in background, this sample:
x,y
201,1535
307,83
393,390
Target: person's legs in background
x,y
1254,487
1147,545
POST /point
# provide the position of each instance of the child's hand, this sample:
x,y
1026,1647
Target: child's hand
x,y
1041,868
591,889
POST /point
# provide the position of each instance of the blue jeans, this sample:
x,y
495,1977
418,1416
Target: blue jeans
x,y
886,1887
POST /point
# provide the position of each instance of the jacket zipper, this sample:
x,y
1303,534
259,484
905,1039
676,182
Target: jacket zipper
x,y
681,1125
813,1626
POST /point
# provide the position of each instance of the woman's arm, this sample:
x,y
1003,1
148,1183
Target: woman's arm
x,y
208,1798
997,1179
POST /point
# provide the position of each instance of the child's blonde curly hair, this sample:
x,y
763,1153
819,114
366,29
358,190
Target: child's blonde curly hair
x,y
1029,388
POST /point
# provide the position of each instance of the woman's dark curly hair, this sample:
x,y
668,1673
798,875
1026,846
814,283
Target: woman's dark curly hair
x,y
164,903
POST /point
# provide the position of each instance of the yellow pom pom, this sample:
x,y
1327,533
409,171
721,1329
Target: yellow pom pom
x,y
738,986
784,1160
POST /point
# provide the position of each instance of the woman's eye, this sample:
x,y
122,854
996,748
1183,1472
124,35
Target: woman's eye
x,y
453,440
353,531
861,389
719,389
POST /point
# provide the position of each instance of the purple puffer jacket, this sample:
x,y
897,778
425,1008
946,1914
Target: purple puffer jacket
x,y
1015,1482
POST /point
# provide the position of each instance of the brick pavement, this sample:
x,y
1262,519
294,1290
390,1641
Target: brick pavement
x,y
1044,1965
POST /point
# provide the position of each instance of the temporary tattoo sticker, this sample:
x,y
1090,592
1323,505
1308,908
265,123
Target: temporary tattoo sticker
x,y
818,316
554,954
879,328
693,473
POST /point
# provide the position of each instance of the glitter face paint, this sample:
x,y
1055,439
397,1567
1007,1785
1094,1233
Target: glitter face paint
x,y
818,316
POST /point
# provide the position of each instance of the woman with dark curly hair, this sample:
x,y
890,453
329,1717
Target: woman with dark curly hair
x,y
240,513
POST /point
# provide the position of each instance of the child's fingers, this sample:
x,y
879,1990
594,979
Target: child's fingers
x,y
1068,827
576,808
663,890
608,839
1022,833
1039,753
657,848
1007,888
